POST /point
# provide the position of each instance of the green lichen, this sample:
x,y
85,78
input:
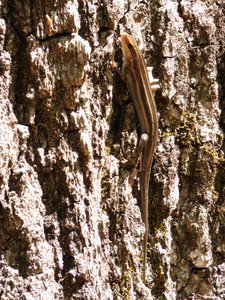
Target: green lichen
x,y
216,156
161,228
187,132
122,285
187,135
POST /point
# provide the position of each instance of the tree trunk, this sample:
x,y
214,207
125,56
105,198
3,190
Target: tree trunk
x,y
70,220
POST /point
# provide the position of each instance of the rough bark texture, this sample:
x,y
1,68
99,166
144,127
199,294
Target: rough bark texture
x,y
70,222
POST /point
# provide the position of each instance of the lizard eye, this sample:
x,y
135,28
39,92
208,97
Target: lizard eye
x,y
130,46
132,50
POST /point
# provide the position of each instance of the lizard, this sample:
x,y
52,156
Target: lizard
x,y
142,88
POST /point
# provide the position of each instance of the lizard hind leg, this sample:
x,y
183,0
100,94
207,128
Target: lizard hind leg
x,y
131,163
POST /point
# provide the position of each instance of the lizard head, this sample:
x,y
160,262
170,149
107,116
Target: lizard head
x,y
129,46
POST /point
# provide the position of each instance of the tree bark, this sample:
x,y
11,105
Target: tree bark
x,y
70,220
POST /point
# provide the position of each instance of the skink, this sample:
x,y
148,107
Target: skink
x,y
134,71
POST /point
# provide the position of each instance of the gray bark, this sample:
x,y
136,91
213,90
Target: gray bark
x,y
70,221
